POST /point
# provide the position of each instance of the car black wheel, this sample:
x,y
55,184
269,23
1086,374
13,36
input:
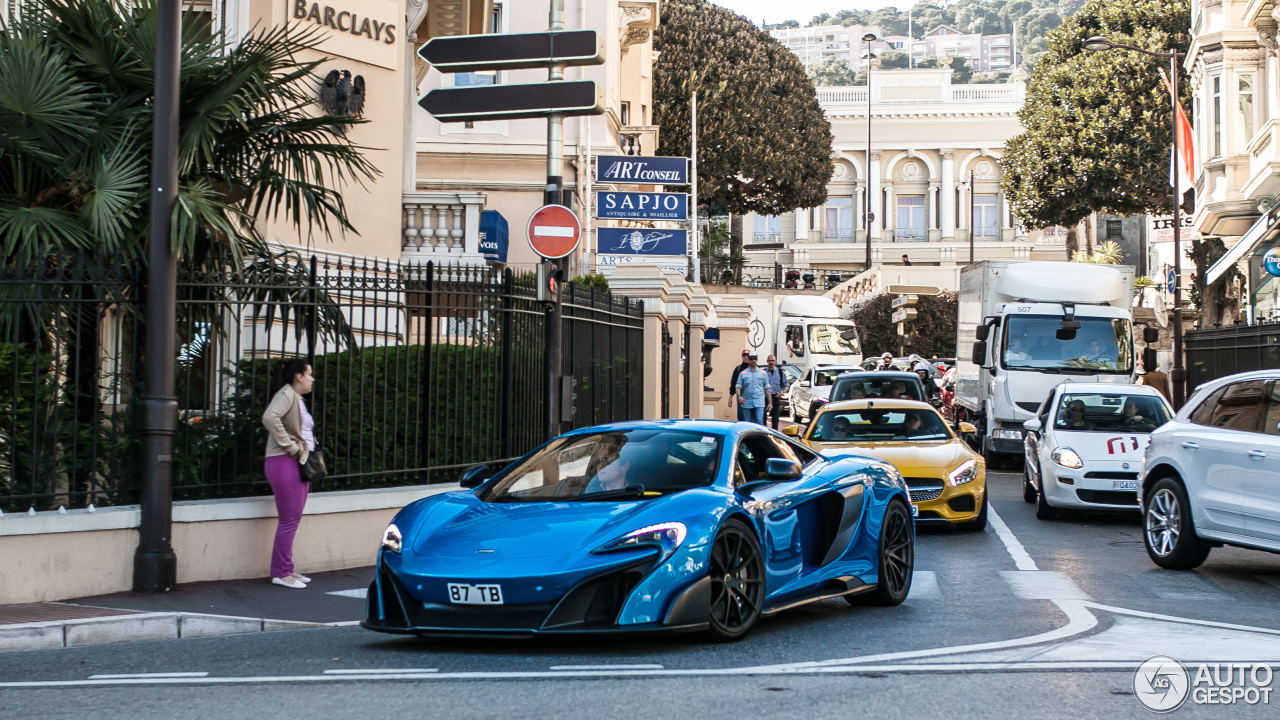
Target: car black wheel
x,y
1028,489
1167,529
1044,510
737,582
897,559
979,522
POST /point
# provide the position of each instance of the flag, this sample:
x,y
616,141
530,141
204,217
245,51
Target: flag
x,y
1182,166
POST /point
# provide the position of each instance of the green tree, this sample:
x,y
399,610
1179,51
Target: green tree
x,y
1097,124
832,72
894,60
934,328
764,144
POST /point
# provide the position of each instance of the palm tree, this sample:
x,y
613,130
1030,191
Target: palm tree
x,y
76,87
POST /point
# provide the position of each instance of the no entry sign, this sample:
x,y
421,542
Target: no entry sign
x,y
554,231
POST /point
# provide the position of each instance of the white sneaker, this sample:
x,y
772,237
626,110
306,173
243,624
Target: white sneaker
x,y
300,578
289,582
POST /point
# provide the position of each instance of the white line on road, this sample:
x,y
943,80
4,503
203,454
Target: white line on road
x,y
1042,585
607,667
924,586
385,671
360,593
1019,554
127,676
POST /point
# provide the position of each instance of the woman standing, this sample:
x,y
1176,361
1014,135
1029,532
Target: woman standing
x,y
290,439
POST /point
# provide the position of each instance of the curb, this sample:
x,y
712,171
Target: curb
x,y
140,626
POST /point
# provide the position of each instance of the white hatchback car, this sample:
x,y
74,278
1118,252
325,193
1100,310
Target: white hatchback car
x,y
1213,473
1084,448
814,384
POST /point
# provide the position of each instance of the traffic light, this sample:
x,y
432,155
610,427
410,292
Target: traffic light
x,y
550,278
568,397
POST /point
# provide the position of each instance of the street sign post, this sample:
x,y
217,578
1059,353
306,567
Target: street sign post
x,y
512,102
642,170
903,315
642,206
469,53
554,231
903,301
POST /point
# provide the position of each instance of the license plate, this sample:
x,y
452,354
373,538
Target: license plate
x,y
1124,485
475,594
915,511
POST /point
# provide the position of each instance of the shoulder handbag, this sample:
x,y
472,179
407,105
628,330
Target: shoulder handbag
x,y
313,470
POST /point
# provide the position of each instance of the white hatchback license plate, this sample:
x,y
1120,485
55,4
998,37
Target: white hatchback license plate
x,y
915,511
475,594
1124,485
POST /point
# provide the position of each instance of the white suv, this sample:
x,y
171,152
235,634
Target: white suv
x,y
1213,473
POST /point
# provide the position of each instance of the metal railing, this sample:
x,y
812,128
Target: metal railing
x,y
421,371
781,277
1218,352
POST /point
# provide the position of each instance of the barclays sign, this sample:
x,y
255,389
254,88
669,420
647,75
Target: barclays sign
x,y
643,170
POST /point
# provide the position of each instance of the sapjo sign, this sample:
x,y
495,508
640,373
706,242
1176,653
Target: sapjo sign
x,y
642,206
643,170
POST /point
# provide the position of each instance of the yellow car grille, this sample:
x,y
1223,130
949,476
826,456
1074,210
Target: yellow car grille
x,y
923,489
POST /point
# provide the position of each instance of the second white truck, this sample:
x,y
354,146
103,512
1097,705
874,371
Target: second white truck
x,y
803,330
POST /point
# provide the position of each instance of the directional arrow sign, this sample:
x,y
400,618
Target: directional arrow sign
x,y
903,315
554,231
903,301
511,102
468,53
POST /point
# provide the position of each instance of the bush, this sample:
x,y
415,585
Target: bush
x,y
934,328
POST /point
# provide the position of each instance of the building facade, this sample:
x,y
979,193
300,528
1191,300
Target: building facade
x,y
815,45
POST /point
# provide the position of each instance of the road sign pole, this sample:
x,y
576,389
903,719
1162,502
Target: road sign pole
x,y
693,172
555,196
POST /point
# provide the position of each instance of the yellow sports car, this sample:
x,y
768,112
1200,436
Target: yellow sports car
x,y
947,480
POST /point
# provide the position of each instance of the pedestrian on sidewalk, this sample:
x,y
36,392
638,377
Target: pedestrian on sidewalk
x,y
752,391
290,439
733,383
776,379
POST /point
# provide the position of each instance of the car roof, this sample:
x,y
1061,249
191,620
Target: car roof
x,y
878,404
727,428
1272,374
842,366
882,375
1109,388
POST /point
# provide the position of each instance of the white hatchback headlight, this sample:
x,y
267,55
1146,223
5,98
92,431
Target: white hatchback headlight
x,y
665,536
966,473
1066,457
391,538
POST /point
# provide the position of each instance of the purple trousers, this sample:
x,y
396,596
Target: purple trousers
x,y
291,497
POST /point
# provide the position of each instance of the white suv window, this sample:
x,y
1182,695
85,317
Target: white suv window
x,y
1237,406
1271,423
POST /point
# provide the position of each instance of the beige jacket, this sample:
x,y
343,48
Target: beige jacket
x,y
283,421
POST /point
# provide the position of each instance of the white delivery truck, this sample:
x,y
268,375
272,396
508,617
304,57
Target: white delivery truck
x,y
1025,327
802,330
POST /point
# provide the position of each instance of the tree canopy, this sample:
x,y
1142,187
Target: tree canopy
x,y
764,144
1098,123
833,72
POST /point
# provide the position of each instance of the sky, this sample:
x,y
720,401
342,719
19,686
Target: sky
x,y
775,11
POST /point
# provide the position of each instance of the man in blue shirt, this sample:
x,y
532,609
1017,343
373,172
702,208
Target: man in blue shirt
x,y
776,380
753,391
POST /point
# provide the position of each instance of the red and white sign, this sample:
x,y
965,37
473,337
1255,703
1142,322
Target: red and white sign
x,y
554,231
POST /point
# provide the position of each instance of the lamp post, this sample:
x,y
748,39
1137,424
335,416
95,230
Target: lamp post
x,y
973,224
1177,373
868,216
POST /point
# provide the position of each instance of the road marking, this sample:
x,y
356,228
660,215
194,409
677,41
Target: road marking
x,y
924,586
553,231
1019,554
127,676
360,593
607,667
384,671
1178,586
1042,585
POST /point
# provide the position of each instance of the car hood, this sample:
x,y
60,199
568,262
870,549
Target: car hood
x,y
1123,446
462,526
918,458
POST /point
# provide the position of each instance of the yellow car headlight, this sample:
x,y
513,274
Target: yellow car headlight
x,y
966,473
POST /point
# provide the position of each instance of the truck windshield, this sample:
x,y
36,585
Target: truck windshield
x,y
833,339
1101,345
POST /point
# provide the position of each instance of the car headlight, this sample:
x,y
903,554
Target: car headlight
x,y
1005,434
967,472
665,536
391,538
1066,457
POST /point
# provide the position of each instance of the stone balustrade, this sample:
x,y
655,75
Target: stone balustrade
x,y
442,227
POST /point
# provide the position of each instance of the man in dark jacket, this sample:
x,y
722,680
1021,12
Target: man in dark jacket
x,y
733,383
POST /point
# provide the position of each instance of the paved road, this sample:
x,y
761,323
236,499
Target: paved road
x,y
1029,619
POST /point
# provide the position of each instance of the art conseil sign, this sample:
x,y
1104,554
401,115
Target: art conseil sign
x,y
362,30
643,170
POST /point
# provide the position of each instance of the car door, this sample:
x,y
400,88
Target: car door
x,y
1216,466
1263,452
1037,444
802,393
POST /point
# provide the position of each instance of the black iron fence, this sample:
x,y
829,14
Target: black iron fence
x,y
420,372
783,277
1218,352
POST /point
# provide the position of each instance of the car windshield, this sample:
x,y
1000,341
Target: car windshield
x,y
1111,412
637,464
871,425
827,376
860,389
833,339
1100,345
792,372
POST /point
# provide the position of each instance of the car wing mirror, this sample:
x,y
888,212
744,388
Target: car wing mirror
x,y
791,431
474,476
1032,425
781,469
968,429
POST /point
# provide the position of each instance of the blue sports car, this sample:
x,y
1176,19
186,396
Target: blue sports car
x,y
669,525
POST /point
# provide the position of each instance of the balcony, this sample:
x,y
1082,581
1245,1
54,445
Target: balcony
x,y
1264,163
638,139
441,227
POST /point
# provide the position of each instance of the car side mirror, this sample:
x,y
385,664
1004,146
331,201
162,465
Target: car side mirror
x,y
1032,425
780,469
979,355
1150,359
804,383
791,431
474,476
1150,335
968,429
982,332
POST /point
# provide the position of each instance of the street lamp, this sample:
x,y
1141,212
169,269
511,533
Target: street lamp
x,y
970,185
868,215
1098,43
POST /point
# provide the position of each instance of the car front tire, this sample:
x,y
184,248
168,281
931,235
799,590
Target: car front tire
x,y
736,568
1167,528
896,559
1044,510
1028,489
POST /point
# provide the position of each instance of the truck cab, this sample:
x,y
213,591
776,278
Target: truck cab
x,y
810,332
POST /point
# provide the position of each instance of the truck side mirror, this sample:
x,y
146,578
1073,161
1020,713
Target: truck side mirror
x,y
1150,361
979,356
982,332
1150,335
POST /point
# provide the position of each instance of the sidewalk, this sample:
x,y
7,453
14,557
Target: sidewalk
x,y
191,610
